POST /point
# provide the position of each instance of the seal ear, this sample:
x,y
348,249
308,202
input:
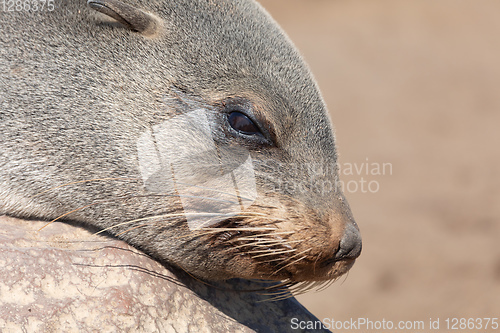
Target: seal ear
x,y
131,17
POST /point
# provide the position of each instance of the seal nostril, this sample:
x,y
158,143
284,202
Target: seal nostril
x,y
350,244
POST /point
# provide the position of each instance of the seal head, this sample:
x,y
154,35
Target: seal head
x,y
191,129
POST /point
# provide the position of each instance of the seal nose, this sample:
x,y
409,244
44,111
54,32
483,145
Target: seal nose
x,y
350,244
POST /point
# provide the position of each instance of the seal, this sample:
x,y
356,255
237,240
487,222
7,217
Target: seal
x,y
191,129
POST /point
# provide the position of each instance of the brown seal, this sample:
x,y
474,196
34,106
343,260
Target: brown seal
x,y
192,130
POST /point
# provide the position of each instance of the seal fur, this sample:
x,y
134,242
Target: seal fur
x,y
77,92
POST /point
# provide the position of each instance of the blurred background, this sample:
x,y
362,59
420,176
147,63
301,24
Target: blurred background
x,y
414,84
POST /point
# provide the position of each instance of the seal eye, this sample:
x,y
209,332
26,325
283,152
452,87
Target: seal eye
x,y
242,123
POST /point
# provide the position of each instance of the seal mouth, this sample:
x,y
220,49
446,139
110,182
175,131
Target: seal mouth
x,y
270,250
320,270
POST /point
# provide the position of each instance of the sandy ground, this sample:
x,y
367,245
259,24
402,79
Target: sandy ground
x,y
415,85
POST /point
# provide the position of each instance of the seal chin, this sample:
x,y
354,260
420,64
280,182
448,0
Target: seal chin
x,y
312,272
331,272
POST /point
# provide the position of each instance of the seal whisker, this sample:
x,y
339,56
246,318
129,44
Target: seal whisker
x,y
268,243
277,291
271,253
258,240
209,231
292,257
87,206
313,285
278,296
255,245
233,216
201,232
269,246
170,215
291,263
114,199
315,262
280,288
285,283
271,260
276,233
215,230
302,287
319,285
249,214
345,277
263,240
63,215
326,285
267,250
133,228
253,214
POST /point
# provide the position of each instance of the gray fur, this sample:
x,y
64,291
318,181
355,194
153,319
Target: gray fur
x,y
76,92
